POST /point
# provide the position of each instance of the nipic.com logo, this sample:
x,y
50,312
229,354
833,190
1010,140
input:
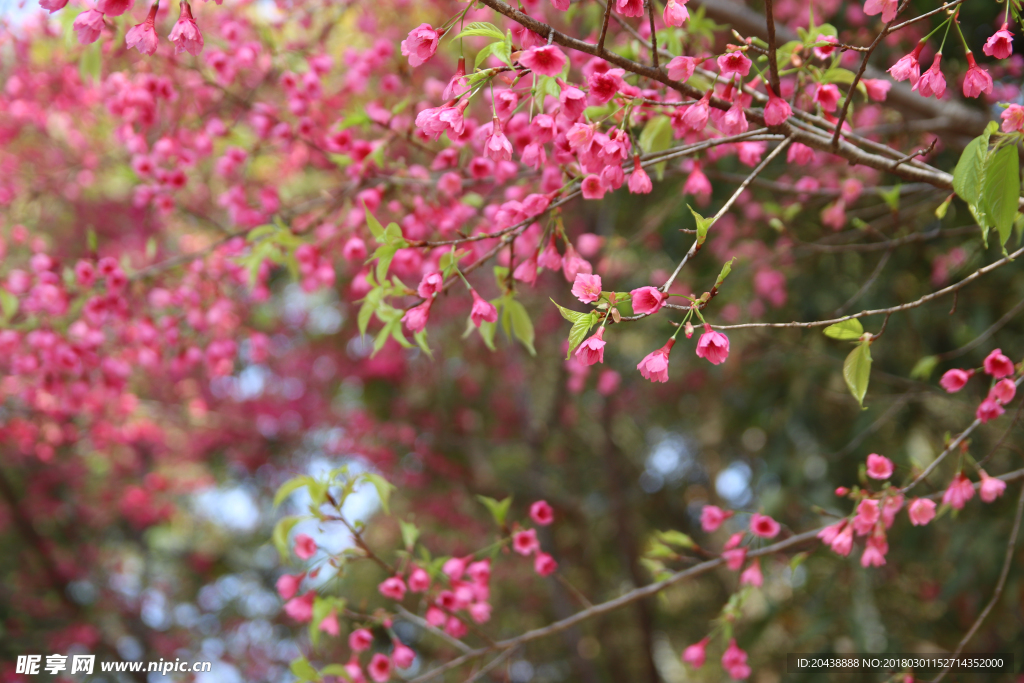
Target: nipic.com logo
x,y
32,665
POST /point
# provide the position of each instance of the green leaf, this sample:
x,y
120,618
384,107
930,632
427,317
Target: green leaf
x,y
393,236
726,269
522,327
290,487
857,371
487,330
940,211
838,75
90,66
579,331
703,224
370,304
892,197
845,330
280,535
383,486
676,538
485,52
1002,190
421,341
338,670
8,304
304,671
498,509
924,367
657,137
481,28
321,608
784,54
569,314
376,229
970,170
384,254
410,532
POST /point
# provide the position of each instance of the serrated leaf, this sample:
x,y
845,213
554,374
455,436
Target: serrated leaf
x,y
1001,191
286,489
480,28
969,173
838,75
846,330
579,332
384,255
857,371
383,486
569,314
484,53
498,509
280,535
487,330
522,326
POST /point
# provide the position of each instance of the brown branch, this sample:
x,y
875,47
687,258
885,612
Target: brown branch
x,y
773,64
654,34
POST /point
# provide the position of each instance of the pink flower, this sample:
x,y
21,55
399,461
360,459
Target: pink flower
x,y
380,668
988,410
714,346
480,612
908,67
421,44
874,553
921,511
829,533
402,656
998,365
752,576
527,270
115,8
879,467
482,311
143,36
695,655
573,264
955,380
454,568
1013,119
825,51
360,639
630,8
430,285
185,35
497,146
639,181
999,44
305,546
959,492
415,318
932,81
587,287
764,526
654,366
419,580
734,540
734,122
887,8
1004,391
734,661
681,68
288,585
842,544
592,187
733,63
544,564
393,588
777,110
827,96
647,300
892,505
525,542
877,88
300,609
88,25
977,80
591,351
675,14
53,5
541,513
734,558
546,61
868,513
991,487
329,624
712,517
696,116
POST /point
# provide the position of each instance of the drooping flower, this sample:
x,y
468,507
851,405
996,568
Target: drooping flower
x,y
991,487
1004,391
402,656
143,36
828,49
288,585
879,467
842,544
764,526
654,366
734,121
185,35
52,6
908,68
305,546
421,44
380,668
695,655
681,68
752,575
989,409
999,44
647,300
114,8
733,63
1013,119
954,380
639,181
874,552
392,587
329,624
482,311
457,85
734,661
546,61
827,97
497,146
713,346
712,517
591,351
88,25
541,513
932,82
587,287
675,13
777,110
977,80
592,187
415,318
527,270
360,639
959,492
301,609
544,564
430,285
734,558
877,88
419,580
887,8
998,365
921,511
630,8
525,542
868,513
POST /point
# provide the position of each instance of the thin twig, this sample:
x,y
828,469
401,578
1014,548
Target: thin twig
x,y
654,34
490,665
604,26
867,285
983,337
427,626
773,66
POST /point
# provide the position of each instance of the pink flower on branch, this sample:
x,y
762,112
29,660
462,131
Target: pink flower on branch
x,y
185,35
421,44
999,44
546,61
713,346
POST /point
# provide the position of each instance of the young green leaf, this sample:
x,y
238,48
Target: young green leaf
x,y
569,314
657,137
924,367
1001,191
498,509
481,28
857,371
383,486
290,487
410,533
970,170
726,269
522,327
846,330
579,331
703,224
376,229
304,671
280,535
